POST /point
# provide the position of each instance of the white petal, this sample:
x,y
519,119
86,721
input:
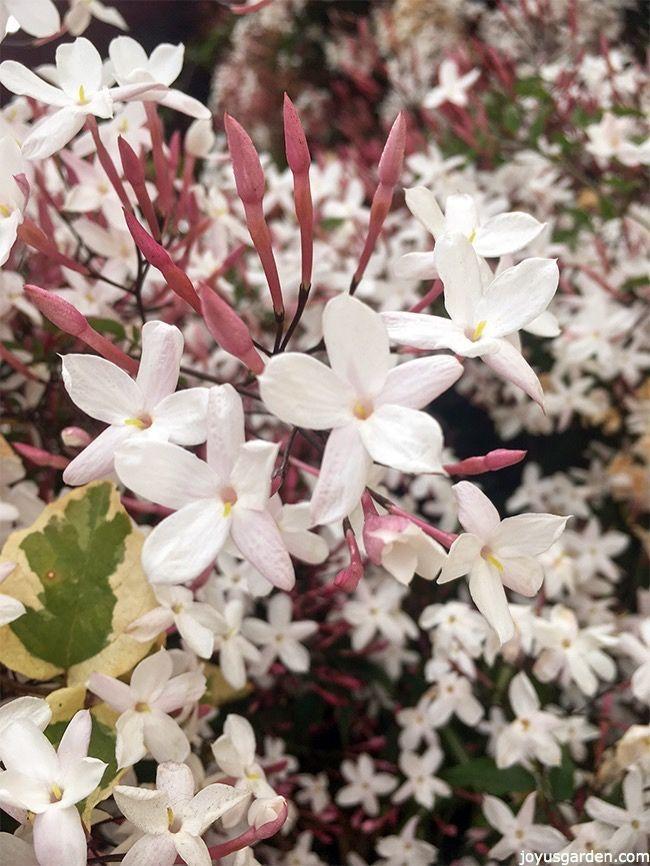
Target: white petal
x,y
192,849
251,474
127,56
517,296
186,543
531,534
198,637
53,132
37,17
130,747
80,780
25,749
420,330
357,344
522,695
300,390
403,438
143,807
183,416
176,782
423,205
506,233
225,429
416,266
258,539
59,838
21,81
165,473
78,64
101,389
162,350
164,738
75,740
416,383
35,710
463,553
151,675
344,472
476,512
458,268
498,814
523,574
489,597
114,692
180,101
209,805
545,325
460,214
511,365
10,609
152,851
146,627
181,691
8,232
166,62
97,459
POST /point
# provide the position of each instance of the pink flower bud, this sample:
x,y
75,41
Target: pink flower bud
x,y
494,460
30,234
228,329
75,437
299,161
57,310
134,173
392,157
295,142
249,176
39,457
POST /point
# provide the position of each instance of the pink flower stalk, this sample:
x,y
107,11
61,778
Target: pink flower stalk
x,y
30,234
500,458
299,161
249,179
106,162
157,255
251,836
68,318
134,173
39,457
228,329
389,170
348,578
445,538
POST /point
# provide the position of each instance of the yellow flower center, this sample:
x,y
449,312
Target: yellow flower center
x,y
142,707
5,211
488,556
141,423
56,794
362,409
229,498
478,331
81,96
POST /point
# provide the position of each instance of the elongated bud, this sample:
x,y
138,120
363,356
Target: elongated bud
x,y
134,173
299,161
30,234
164,179
348,578
490,462
39,457
246,164
75,437
295,141
157,255
228,329
68,318
106,162
389,170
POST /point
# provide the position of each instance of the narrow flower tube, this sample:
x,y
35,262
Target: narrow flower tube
x,y
228,329
348,578
163,174
106,162
490,462
249,179
39,457
251,836
134,173
30,234
299,161
68,318
389,170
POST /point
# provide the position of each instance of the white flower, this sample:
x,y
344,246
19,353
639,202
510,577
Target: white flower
x,y
610,139
639,651
233,647
130,65
314,791
39,18
401,547
49,783
375,607
144,706
416,725
146,407
421,783
81,12
172,817
225,497
406,849
519,833
13,197
453,696
533,734
486,311
280,637
371,408
25,709
496,553
632,823
452,87
365,785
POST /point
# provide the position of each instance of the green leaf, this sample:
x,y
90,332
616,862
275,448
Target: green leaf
x,y
561,778
108,326
483,775
74,556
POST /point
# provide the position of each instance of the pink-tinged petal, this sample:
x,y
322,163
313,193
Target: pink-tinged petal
x,y
416,266
475,511
421,330
144,808
458,268
511,365
101,389
251,474
182,690
184,544
423,205
176,782
530,534
357,344
59,838
112,691
160,362
489,596
180,101
165,473
208,806
463,553
192,849
164,738
517,296
416,383
506,233
403,438
130,747
53,132
21,81
522,574
225,429
183,416
97,459
258,539
25,749
343,476
75,740
522,695
158,850
300,390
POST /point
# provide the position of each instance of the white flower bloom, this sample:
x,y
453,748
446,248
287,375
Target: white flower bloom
x,y
519,833
81,13
13,197
375,607
498,553
365,785
406,849
453,696
225,497
280,637
314,791
631,824
25,709
233,647
452,87
610,139
172,817
39,18
371,408
144,706
49,783
421,784
533,734
146,407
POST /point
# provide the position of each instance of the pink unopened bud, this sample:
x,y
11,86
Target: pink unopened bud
x,y
491,462
228,329
134,173
39,457
392,157
295,142
348,578
30,234
246,165
299,162
75,437
106,162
